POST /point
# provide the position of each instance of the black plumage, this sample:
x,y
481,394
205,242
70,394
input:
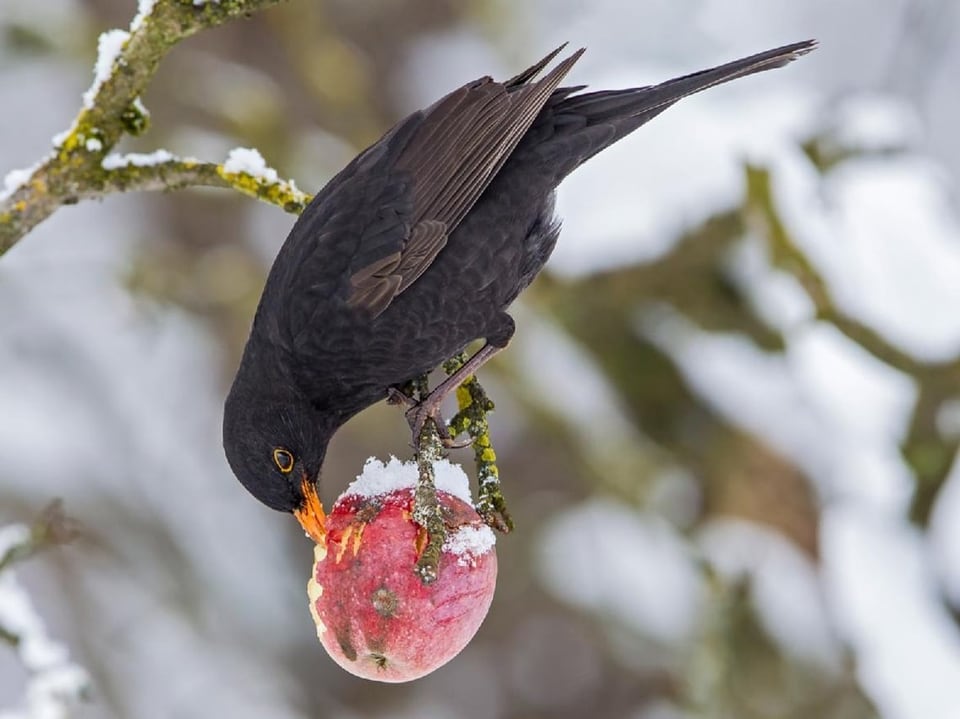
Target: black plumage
x,y
414,250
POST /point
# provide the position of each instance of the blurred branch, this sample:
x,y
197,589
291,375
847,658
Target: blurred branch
x,y
50,528
178,173
54,683
739,474
929,449
126,64
761,212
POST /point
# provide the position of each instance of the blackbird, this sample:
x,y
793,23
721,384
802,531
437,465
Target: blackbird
x,y
414,250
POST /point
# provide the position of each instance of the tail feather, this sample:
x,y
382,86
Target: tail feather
x,y
602,118
615,104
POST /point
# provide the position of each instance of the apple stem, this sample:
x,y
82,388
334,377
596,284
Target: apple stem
x,y
426,507
474,406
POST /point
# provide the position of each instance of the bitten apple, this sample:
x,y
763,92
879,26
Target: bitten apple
x,y
374,615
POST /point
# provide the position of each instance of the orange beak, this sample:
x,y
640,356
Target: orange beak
x,y
311,515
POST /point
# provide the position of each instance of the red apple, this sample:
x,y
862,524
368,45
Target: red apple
x,y
374,615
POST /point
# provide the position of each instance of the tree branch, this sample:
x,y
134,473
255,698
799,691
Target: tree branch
x,y
930,450
54,683
50,528
111,108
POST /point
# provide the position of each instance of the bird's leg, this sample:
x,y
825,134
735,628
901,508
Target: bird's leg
x,y
401,394
429,406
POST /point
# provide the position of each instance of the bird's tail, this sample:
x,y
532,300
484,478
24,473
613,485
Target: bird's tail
x,y
587,123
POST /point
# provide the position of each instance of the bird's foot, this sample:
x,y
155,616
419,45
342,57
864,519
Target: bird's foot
x,y
419,412
429,409
402,394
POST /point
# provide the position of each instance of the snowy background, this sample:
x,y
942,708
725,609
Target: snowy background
x,y
732,499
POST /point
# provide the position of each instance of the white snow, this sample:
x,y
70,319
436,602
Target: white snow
x,y
15,178
12,536
137,159
249,160
617,562
61,136
887,605
93,145
895,231
379,478
876,122
144,8
54,681
673,174
785,586
109,47
470,542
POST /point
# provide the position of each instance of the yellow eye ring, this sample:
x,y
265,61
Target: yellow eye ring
x,y
283,459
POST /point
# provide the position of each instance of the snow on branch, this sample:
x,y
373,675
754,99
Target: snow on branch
x,y
54,683
80,166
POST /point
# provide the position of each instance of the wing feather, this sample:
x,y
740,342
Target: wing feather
x,y
461,143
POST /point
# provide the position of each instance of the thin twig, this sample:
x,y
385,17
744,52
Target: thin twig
x,y
111,109
474,406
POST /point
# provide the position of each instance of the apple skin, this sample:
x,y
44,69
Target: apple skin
x,y
374,615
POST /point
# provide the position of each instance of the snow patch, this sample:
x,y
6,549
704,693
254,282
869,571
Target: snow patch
x,y
785,586
144,8
109,47
54,682
93,145
13,536
137,159
249,161
379,478
14,179
470,542
627,566
886,600
877,122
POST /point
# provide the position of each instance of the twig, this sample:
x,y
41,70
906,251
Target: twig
x,y
930,452
54,683
427,511
111,109
474,406
50,528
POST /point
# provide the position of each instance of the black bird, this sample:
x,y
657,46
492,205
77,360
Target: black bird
x,y
414,250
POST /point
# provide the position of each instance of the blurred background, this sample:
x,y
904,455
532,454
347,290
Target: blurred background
x,y
727,426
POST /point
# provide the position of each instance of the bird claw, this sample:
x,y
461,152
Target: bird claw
x,y
417,417
395,395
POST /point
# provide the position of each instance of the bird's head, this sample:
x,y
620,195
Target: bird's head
x,y
276,448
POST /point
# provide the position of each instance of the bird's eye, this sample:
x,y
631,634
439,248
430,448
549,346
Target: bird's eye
x,y
283,459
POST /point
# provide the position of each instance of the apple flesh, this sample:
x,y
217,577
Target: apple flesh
x,y
374,615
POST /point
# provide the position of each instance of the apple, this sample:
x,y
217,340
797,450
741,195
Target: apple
x,y
374,615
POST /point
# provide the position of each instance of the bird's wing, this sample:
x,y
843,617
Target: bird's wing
x,y
379,224
444,165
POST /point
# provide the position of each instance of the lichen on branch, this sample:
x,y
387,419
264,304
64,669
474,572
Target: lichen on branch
x,y
111,108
